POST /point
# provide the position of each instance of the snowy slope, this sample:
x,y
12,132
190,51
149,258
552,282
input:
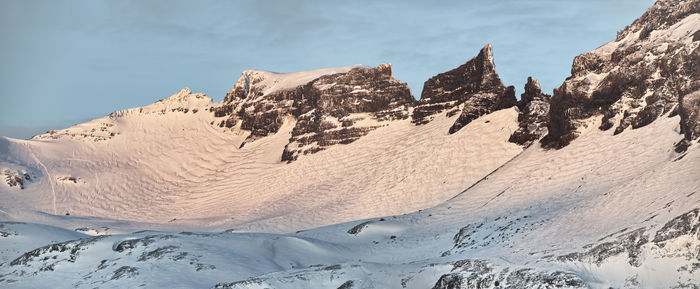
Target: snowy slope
x,y
167,164
596,214
404,206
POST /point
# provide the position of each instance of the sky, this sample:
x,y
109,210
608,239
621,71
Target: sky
x,y
66,62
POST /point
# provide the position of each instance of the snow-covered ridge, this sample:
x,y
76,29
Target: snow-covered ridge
x,y
106,128
645,73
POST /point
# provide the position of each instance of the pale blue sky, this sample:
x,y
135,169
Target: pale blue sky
x,y
65,62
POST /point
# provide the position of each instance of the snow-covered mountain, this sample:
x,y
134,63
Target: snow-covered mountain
x,y
281,153
353,184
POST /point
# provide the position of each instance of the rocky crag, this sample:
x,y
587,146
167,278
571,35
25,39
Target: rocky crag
x,y
327,109
339,108
473,88
651,69
533,116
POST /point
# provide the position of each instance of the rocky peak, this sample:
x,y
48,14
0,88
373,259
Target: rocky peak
x,y
532,92
474,88
633,80
246,86
328,105
660,16
255,83
184,96
533,114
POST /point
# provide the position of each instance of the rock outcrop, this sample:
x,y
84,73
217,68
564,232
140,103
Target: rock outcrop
x,y
644,73
327,109
533,116
338,106
15,178
474,88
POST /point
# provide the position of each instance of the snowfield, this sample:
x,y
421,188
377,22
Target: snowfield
x,y
600,213
174,168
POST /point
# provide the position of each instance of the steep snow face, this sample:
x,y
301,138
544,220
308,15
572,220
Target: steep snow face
x,y
633,80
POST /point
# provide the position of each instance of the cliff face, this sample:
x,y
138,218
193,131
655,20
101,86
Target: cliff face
x,y
533,116
474,88
340,105
327,109
647,71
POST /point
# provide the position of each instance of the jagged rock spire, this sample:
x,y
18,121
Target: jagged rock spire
x,y
474,87
533,115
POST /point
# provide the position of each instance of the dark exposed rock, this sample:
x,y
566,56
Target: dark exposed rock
x,y
133,243
689,110
5,234
72,247
347,285
533,117
630,242
157,253
473,87
326,109
631,81
250,282
450,281
358,228
661,15
16,178
125,272
481,274
685,224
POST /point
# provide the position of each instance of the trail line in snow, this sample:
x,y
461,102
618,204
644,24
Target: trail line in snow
x,y
487,176
53,191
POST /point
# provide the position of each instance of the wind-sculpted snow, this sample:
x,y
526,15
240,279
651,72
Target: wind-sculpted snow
x,y
607,220
174,169
373,194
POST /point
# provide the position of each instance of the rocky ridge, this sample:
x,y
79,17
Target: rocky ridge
x,y
649,70
473,88
331,109
341,107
